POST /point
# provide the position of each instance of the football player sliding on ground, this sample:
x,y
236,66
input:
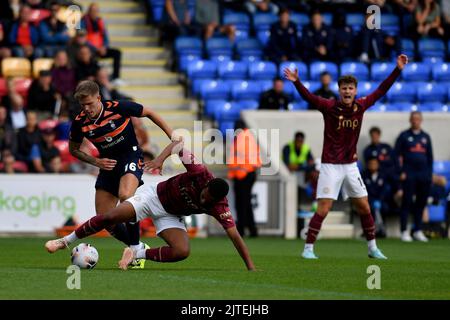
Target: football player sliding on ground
x,y
193,192
343,120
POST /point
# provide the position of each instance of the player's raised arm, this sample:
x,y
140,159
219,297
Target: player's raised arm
x,y
383,88
318,102
241,247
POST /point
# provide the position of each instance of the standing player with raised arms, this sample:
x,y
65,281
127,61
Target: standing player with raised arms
x,y
108,125
343,119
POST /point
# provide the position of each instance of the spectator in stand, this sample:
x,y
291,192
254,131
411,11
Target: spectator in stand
x,y
27,137
178,20
275,98
24,37
343,39
44,155
378,190
207,15
7,134
42,96
97,36
7,162
54,33
86,65
283,42
63,75
36,4
254,6
78,41
404,9
324,91
428,19
17,112
445,5
107,89
5,51
317,39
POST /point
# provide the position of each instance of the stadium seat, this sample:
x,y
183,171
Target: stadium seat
x,y
402,92
217,90
196,85
189,45
63,147
437,213
246,90
431,48
442,168
212,105
383,107
327,18
365,88
292,65
431,61
432,92
227,125
219,46
220,59
16,67
232,70
298,105
230,111
239,19
184,60
37,15
310,85
22,86
416,72
357,69
41,64
381,70
434,106
249,47
263,36
390,23
316,68
404,106
441,72
157,8
300,19
3,87
248,104
263,21
408,48
262,70
201,69
355,20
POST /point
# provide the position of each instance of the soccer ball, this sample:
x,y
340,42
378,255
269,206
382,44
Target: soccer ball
x,y
84,256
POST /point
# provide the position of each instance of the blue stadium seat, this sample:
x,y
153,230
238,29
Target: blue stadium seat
x,y
220,59
212,105
405,106
298,105
310,85
416,71
224,125
219,46
402,92
239,19
442,168
189,45
300,19
233,70
357,69
215,90
263,36
316,68
263,21
249,47
432,92
434,106
355,20
365,88
301,67
381,70
229,111
184,60
196,85
437,213
262,70
441,72
246,90
157,8
250,59
201,69
327,18
431,61
390,23
408,48
248,104
431,48
334,86
289,88
265,84
383,107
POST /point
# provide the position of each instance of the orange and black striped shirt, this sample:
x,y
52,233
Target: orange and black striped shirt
x,y
113,133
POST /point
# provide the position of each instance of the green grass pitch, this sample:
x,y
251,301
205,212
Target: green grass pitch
x,y
215,271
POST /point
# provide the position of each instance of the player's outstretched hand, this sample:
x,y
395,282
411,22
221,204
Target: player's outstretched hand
x,y
291,75
106,164
402,61
153,165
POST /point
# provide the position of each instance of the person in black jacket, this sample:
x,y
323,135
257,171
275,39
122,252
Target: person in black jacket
x,y
275,98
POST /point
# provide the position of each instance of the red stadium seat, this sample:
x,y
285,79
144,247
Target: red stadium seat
x,y
22,85
19,166
3,88
48,124
37,15
63,147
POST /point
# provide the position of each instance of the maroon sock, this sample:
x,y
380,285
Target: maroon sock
x,y
91,226
162,254
314,228
368,226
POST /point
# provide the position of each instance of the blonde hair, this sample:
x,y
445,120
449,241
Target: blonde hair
x,y
86,88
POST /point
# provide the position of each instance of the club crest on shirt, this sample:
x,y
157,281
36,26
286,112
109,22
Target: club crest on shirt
x,y
112,124
326,190
424,140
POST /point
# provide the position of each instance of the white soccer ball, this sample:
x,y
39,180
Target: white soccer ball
x,y
84,256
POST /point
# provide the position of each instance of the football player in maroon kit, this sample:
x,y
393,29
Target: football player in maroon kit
x,y
343,119
196,191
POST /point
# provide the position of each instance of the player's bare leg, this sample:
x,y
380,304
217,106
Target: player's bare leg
x,y
122,213
315,224
362,206
178,249
127,188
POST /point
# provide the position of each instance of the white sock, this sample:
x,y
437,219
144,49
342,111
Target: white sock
x,y
372,244
71,238
309,246
136,247
140,254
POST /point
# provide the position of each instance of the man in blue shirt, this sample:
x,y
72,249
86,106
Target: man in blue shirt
x,y
415,153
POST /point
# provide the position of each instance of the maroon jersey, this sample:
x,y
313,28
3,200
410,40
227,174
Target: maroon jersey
x,y
180,195
343,124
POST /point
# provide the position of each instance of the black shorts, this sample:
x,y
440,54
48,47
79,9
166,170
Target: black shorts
x,y
132,162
